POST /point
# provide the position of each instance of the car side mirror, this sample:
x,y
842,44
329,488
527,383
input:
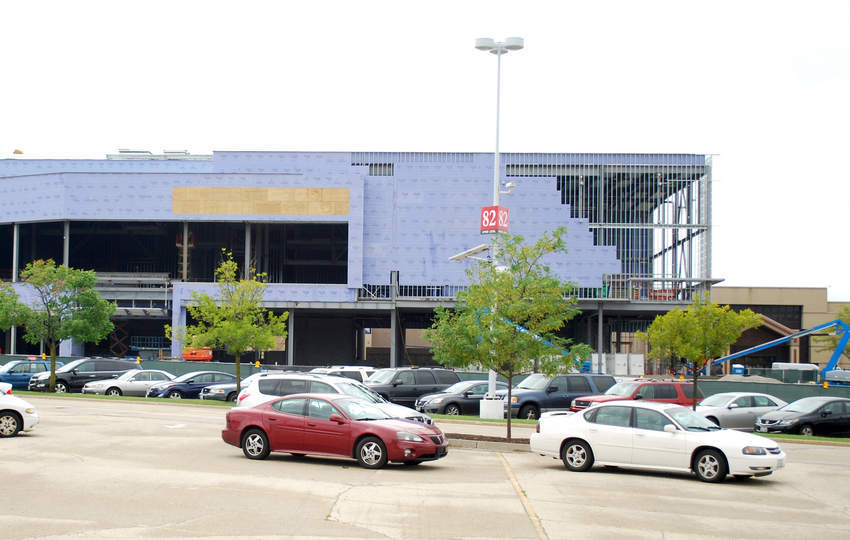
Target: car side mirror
x,y
336,418
466,394
551,389
826,413
639,397
733,406
190,381
670,428
396,383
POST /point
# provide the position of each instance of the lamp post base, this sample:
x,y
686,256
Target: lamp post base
x,y
492,408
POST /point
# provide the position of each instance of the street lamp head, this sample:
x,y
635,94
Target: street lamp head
x,y
485,44
499,47
514,43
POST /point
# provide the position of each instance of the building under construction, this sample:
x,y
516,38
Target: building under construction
x,y
354,241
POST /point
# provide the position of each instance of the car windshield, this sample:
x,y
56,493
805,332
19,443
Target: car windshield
x,y
535,381
622,389
357,409
691,421
382,376
70,365
359,392
459,387
717,400
186,376
128,375
805,405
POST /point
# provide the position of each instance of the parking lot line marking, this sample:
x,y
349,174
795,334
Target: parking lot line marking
x,y
532,515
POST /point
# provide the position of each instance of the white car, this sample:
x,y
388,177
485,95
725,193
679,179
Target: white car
x,y
16,415
270,387
657,436
738,410
132,383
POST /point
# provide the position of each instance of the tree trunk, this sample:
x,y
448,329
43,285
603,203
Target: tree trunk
x,y
508,409
696,378
238,377
52,383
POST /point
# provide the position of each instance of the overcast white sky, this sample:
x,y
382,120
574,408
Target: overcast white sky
x,y
764,86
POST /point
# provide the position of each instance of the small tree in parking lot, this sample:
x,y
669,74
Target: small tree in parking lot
x,y
65,306
507,320
698,334
234,319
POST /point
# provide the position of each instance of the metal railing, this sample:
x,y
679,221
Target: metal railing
x,y
615,287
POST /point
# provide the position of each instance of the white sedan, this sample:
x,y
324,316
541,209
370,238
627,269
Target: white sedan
x,y
16,415
657,436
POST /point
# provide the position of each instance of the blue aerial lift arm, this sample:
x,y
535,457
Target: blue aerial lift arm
x,y
841,328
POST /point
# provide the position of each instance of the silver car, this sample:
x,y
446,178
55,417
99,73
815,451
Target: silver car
x,y
132,383
737,410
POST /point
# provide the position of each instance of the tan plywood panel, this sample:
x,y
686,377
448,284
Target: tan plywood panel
x,y
262,201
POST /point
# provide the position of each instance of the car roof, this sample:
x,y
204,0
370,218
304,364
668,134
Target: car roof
x,y
656,405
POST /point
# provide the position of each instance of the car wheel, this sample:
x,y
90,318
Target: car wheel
x,y
710,466
10,424
255,444
371,453
60,387
452,409
577,456
807,430
113,391
529,412
231,396
175,394
713,419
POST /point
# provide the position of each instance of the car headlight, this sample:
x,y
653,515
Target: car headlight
x,y
217,391
787,422
754,451
436,400
407,436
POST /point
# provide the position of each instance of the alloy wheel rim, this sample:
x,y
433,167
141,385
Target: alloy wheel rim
x,y
708,466
174,395
452,410
113,392
576,455
60,388
371,453
8,425
254,444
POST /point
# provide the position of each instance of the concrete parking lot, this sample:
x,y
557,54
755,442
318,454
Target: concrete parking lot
x,y
124,469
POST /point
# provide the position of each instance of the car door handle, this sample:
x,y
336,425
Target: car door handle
x,y
311,424
272,419
640,435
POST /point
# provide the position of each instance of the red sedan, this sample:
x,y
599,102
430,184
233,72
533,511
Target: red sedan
x,y
332,425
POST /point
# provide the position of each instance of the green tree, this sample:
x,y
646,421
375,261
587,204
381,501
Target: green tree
x,y
234,320
509,317
829,343
698,334
65,306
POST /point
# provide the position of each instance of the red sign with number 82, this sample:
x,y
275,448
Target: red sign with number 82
x,y
494,219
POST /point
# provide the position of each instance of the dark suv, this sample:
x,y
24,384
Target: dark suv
x,y
405,385
75,374
539,393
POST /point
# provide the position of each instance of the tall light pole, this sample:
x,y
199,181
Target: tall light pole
x,y
498,48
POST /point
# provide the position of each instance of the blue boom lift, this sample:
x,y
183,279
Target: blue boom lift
x,y
841,328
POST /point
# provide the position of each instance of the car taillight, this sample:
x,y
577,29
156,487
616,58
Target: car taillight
x,y
243,396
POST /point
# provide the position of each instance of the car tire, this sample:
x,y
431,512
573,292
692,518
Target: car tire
x,y
710,466
371,453
713,419
175,394
577,455
529,412
255,444
453,409
60,387
113,391
10,424
806,430
231,396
